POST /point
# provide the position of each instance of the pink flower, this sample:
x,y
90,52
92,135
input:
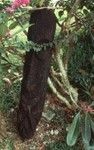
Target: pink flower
x,y
16,4
10,10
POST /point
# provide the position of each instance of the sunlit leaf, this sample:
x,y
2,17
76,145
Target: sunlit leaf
x,y
3,29
13,25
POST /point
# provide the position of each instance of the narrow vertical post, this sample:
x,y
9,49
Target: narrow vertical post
x,y
35,72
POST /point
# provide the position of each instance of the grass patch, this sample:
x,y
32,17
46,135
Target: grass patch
x,y
9,97
7,144
62,146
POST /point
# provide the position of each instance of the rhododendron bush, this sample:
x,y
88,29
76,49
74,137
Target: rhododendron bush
x,y
7,13
13,22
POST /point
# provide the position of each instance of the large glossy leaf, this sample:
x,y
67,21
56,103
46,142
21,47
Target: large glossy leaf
x,y
92,132
86,129
92,125
73,132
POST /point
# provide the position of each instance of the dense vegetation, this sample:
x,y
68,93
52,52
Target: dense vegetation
x,y
71,77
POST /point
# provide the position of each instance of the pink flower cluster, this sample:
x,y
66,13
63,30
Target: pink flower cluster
x,y
16,4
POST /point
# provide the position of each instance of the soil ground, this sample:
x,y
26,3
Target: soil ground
x,y
48,131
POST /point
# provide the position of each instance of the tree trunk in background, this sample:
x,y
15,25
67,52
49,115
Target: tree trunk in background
x,y
35,73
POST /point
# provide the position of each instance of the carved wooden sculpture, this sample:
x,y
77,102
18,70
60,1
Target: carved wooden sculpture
x,y
35,73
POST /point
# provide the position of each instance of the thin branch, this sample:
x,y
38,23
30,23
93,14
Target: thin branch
x,y
55,73
63,99
39,8
72,92
58,83
56,80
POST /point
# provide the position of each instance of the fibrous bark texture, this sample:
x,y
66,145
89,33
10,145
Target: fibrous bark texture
x,y
35,73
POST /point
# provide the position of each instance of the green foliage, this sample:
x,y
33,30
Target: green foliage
x,y
60,146
88,132
7,144
9,96
38,47
86,129
4,4
57,146
3,23
82,125
74,131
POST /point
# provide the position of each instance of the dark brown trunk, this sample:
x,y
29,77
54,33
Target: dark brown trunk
x,y
35,74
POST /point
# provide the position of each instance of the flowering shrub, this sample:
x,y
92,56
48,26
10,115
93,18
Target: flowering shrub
x,y
16,4
8,13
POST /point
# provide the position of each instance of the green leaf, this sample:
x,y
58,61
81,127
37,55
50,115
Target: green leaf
x,y
3,29
13,25
92,104
91,148
41,2
85,11
92,126
86,129
73,131
22,29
